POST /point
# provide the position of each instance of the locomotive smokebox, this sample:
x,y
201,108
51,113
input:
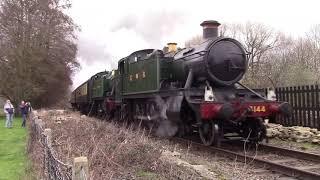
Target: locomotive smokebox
x,y
210,29
222,61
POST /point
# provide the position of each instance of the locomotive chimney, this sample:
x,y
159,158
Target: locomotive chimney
x,y
172,47
210,29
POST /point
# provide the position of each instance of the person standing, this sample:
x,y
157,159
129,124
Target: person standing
x,y
9,110
24,113
29,107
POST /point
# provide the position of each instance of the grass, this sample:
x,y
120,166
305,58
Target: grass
x,y
13,159
146,174
307,146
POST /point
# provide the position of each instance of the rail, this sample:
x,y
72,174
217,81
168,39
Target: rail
x,y
297,172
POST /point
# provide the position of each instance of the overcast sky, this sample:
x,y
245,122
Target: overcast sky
x,y
113,29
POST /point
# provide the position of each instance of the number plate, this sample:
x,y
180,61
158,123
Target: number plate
x,y
258,108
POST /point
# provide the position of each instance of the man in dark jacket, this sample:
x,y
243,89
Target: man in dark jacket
x,y
24,113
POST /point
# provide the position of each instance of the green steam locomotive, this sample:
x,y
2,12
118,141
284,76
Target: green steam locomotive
x,y
178,92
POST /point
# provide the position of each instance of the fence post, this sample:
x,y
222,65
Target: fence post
x,y
80,168
48,134
39,126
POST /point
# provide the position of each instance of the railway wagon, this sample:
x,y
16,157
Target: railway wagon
x,y
90,96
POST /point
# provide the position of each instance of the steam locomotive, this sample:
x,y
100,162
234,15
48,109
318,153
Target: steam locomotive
x,y
178,92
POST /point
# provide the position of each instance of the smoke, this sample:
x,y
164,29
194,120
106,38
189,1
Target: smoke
x,y
101,46
152,26
166,128
130,33
93,51
169,110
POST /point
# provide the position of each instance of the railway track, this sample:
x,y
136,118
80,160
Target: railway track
x,y
288,162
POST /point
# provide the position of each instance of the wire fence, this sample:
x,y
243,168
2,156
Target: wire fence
x,y
53,168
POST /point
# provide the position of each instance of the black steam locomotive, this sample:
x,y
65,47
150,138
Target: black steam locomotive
x,y
180,91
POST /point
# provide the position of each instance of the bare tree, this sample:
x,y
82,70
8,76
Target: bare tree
x,y
38,50
196,40
258,40
313,36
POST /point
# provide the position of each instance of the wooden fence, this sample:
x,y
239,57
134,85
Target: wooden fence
x,y
305,101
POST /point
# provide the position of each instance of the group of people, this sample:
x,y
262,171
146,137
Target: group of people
x,y
8,108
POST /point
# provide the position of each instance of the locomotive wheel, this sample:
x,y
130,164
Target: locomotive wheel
x,y
255,130
262,130
209,133
185,126
123,114
100,111
151,113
